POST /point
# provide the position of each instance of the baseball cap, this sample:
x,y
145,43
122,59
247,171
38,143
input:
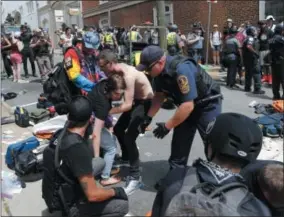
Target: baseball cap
x,y
149,55
80,109
270,17
91,40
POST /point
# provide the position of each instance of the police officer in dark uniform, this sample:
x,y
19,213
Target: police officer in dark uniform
x,y
276,47
251,62
196,95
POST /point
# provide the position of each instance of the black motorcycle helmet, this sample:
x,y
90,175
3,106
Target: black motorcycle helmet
x,y
251,31
233,30
279,28
234,135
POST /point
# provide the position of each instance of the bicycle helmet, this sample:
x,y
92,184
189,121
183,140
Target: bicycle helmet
x,y
234,135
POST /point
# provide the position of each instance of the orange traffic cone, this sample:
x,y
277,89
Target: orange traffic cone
x,y
264,78
270,79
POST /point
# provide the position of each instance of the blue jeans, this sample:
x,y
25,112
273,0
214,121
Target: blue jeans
x,y
109,146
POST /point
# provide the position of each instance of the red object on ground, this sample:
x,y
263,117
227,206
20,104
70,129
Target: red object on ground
x,y
264,78
269,79
51,109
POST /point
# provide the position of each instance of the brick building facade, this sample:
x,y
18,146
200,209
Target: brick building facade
x,y
182,13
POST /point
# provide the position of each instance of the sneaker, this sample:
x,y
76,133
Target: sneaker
x,y
121,163
15,80
22,81
259,92
132,185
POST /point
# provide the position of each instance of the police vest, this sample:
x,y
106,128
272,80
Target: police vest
x,y
133,35
108,39
171,39
204,83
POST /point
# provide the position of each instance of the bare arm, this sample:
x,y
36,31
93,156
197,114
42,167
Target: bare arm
x,y
8,43
98,126
181,114
156,104
128,97
92,191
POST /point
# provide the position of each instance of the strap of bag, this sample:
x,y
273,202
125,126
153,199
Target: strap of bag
x,y
57,159
226,188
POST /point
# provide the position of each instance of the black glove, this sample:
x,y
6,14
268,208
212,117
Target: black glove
x,y
161,131
144,124
120,193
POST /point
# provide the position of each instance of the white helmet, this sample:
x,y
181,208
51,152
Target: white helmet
x,y
270,17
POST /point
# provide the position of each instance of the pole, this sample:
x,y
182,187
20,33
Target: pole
x,y
208,32
161,22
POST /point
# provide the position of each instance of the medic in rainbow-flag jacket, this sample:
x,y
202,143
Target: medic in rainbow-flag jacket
x,y
80,62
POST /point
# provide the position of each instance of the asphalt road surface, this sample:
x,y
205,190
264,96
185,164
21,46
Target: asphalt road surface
x,y
154,153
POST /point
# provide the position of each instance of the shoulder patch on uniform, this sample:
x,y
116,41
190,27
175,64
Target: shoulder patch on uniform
x,y
183,84
68,62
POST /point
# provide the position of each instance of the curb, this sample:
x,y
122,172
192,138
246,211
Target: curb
x,y
8,107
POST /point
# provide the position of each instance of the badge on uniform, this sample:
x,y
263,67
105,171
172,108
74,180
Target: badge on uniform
x,y
183,84
68,63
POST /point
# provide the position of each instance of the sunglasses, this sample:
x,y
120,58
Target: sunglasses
x,y
152,65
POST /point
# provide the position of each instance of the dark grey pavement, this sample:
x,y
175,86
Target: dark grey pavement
x,y
154,153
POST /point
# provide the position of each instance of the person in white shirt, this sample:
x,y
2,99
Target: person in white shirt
x,y
216,42
270,19
66,39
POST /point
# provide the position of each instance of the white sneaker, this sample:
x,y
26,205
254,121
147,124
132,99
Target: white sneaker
x,y
22,81
15,80
132,185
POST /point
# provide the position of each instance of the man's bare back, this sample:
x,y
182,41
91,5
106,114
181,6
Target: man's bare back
x,y
136,81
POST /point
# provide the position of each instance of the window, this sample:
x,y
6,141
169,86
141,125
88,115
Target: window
x,y
168,14
30,7
21,10
104,22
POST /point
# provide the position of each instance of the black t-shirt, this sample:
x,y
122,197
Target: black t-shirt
x,y
263,38
76,159
251,173
100,102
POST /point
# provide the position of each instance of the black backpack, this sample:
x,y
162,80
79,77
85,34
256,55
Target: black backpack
x,y
57,189
233,199
58,89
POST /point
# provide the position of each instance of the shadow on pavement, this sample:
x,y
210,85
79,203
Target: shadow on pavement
x,y
47,213
33,177
261,96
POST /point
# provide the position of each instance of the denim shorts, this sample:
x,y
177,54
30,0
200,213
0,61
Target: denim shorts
x,y
216,47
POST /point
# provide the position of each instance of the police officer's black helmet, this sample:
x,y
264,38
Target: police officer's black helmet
x,y
279,28
110,29
79,109
234,135
251,31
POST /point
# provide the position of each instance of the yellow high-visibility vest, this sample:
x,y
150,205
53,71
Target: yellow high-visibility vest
x,y
171,39
108,39
133,35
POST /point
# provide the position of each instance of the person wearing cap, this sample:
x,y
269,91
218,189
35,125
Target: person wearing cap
x,y
174,43
79,166
41,50
233,142
198,101
250,53
195,42
216,43
110,41
232,57
137,101
80,61
276,47
270,19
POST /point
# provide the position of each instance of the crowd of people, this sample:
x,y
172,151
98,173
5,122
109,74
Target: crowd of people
x,y
19,47
231,141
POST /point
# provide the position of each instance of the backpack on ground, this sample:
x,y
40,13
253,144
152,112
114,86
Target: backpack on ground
x,y
58,89
208,200
17,148
271,124
22,118
57,189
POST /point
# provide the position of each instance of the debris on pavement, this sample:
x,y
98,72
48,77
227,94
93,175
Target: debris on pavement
x,y
10,185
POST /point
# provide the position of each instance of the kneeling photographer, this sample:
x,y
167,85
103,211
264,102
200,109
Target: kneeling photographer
x,y
72,184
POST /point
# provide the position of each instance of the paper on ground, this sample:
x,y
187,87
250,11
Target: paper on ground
x,y
10,184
